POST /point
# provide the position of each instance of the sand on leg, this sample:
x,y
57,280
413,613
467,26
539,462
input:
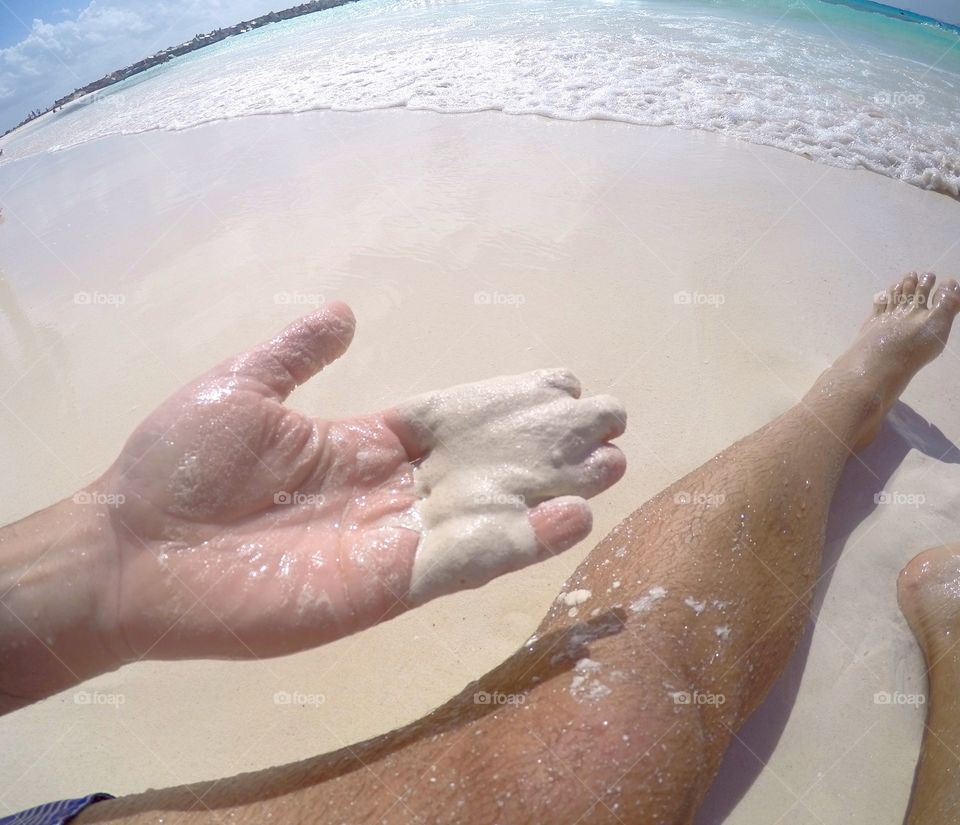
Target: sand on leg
x,y
714,577
662,643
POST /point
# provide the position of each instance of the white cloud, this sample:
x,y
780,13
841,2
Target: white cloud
x,y
56,57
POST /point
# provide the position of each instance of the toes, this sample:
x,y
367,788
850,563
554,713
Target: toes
x,y
924,285
888,299
880,301
947,297
908,286
896,295
560,523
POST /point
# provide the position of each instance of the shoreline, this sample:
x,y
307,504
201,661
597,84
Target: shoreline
x,y
623,121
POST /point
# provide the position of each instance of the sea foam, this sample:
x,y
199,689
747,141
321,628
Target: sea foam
x,y
848,88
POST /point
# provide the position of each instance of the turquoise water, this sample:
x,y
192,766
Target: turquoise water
x,y
834,83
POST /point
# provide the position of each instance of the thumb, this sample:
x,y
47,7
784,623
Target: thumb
x,y
299,352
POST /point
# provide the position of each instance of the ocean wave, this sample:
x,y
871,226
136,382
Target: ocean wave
x,y
839,86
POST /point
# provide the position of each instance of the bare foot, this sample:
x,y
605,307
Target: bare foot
x,y
907,329
929,594
928,591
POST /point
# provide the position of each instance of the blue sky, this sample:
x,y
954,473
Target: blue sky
x,y
12,31
50,47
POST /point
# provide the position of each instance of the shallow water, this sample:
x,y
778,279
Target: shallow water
x,y
847,87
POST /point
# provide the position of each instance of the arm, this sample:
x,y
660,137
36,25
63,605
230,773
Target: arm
x,y
57,600
232,526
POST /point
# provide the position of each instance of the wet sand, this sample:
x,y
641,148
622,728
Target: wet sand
x,y
703,281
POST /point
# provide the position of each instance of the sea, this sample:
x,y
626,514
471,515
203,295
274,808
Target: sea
x,y
836,82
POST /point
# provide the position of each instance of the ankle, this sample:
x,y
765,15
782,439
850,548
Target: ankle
x,y
850,402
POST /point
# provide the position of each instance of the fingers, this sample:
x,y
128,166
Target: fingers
x,y
470,551
561,379
413,434
426,420
507,465
298,353
526,435
559,524
603,468
597,419
466,549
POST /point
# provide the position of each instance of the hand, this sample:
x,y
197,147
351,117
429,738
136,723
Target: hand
x,y
243,528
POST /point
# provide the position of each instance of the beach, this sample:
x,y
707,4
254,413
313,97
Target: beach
x,y
702,280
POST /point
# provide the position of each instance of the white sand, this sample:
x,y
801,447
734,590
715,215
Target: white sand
x,y
578,235
476,524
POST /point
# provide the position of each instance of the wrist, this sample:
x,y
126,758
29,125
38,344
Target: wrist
x,y
58,585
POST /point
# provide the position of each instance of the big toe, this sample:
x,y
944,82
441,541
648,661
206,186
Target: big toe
x,y
947,297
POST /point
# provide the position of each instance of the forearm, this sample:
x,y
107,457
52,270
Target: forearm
x,y
56,608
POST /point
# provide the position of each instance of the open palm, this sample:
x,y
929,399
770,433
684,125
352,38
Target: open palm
x,y
245,528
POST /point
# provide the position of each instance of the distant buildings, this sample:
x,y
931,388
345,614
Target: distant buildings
x,y
198,42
